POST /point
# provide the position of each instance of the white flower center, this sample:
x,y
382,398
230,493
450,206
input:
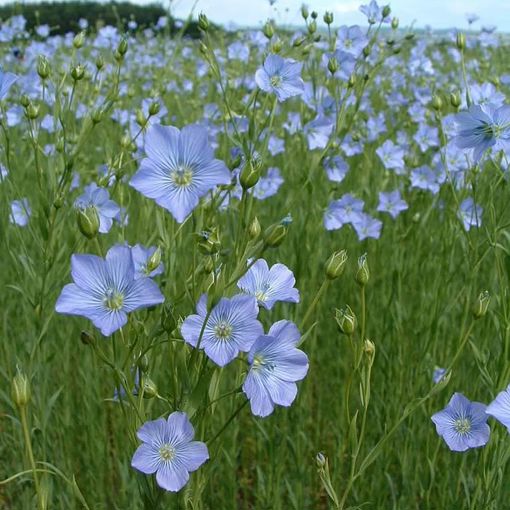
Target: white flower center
x,y
182,176
462,425
166,452
276,80
113,299
223,330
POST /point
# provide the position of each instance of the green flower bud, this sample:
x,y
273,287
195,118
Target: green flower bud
x,y
150,390
277,46
123,46
394,23
437,102
88,221
97,115
386,11
481,304
455,99
346,320
20,390
268,30
78,72
320,460
363,273
210,243
369,348
254,229
99,62
335,265
333,65
250,174
314,15
87,338
79,40
32,111
352,81
168,319
143,363
43,67
298,42
366,51
141,119
154,108
304,11
24,101
203,22
274,235
461,41
312,27
154,261
328,18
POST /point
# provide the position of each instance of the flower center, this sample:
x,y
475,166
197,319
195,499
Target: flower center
x,y
223,330
166,452
113,299
182,176
259,363
462,425
276,80
261,294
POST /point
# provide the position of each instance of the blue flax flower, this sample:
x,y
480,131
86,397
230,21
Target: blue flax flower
x,y
141,259
99,199
280,76
480,128
462,424
20,212
169,451
470,213
275,366
499,408
179,168
232,326
105,290
6,82
269,285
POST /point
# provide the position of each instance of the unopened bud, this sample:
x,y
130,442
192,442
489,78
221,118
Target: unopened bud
x,y
168,320
79,40
386,11
20,390
304,11
363,273
141,119
154,108
32,111
328,18
43,67
455,99
335,266
97,115
394,23
320,460
88,221
154,261
277,46
346,320
481,304
461,41
24,100
123,46
268,30
78,72
312,27
369,348
203,22
99,62
87,338
437,103
314,15
274,235
150,390
210,242
254,229
333,65
352,81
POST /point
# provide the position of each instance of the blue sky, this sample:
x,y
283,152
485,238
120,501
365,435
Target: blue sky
x,y
436,13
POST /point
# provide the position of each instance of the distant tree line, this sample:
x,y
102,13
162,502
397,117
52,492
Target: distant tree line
x,y
63,17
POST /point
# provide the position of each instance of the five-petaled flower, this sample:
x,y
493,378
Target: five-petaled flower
x,y
280,76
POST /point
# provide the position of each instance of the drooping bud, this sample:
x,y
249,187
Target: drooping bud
x,y
481,304
20,390
43,67
88,221
346,320
254,229
335,266
363,273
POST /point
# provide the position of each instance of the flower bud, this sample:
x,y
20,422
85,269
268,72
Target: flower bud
x,y
335,265
363,273
87,338
333,65
78,72
369,348
366,51
24,101
88,221
314,15
455,99
168,320
210,242
254,229
481,304
268,30
312,27
394,23
351,81
320,460
143,363
20,390
437,102
79,40
32,111
150,390
141,119
154,261
298,42
277,46
250,174
154,108
328,18
123,46
99,62
386,11
461,41
346,320
304,11
274,235
43,67
97,115
203,22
